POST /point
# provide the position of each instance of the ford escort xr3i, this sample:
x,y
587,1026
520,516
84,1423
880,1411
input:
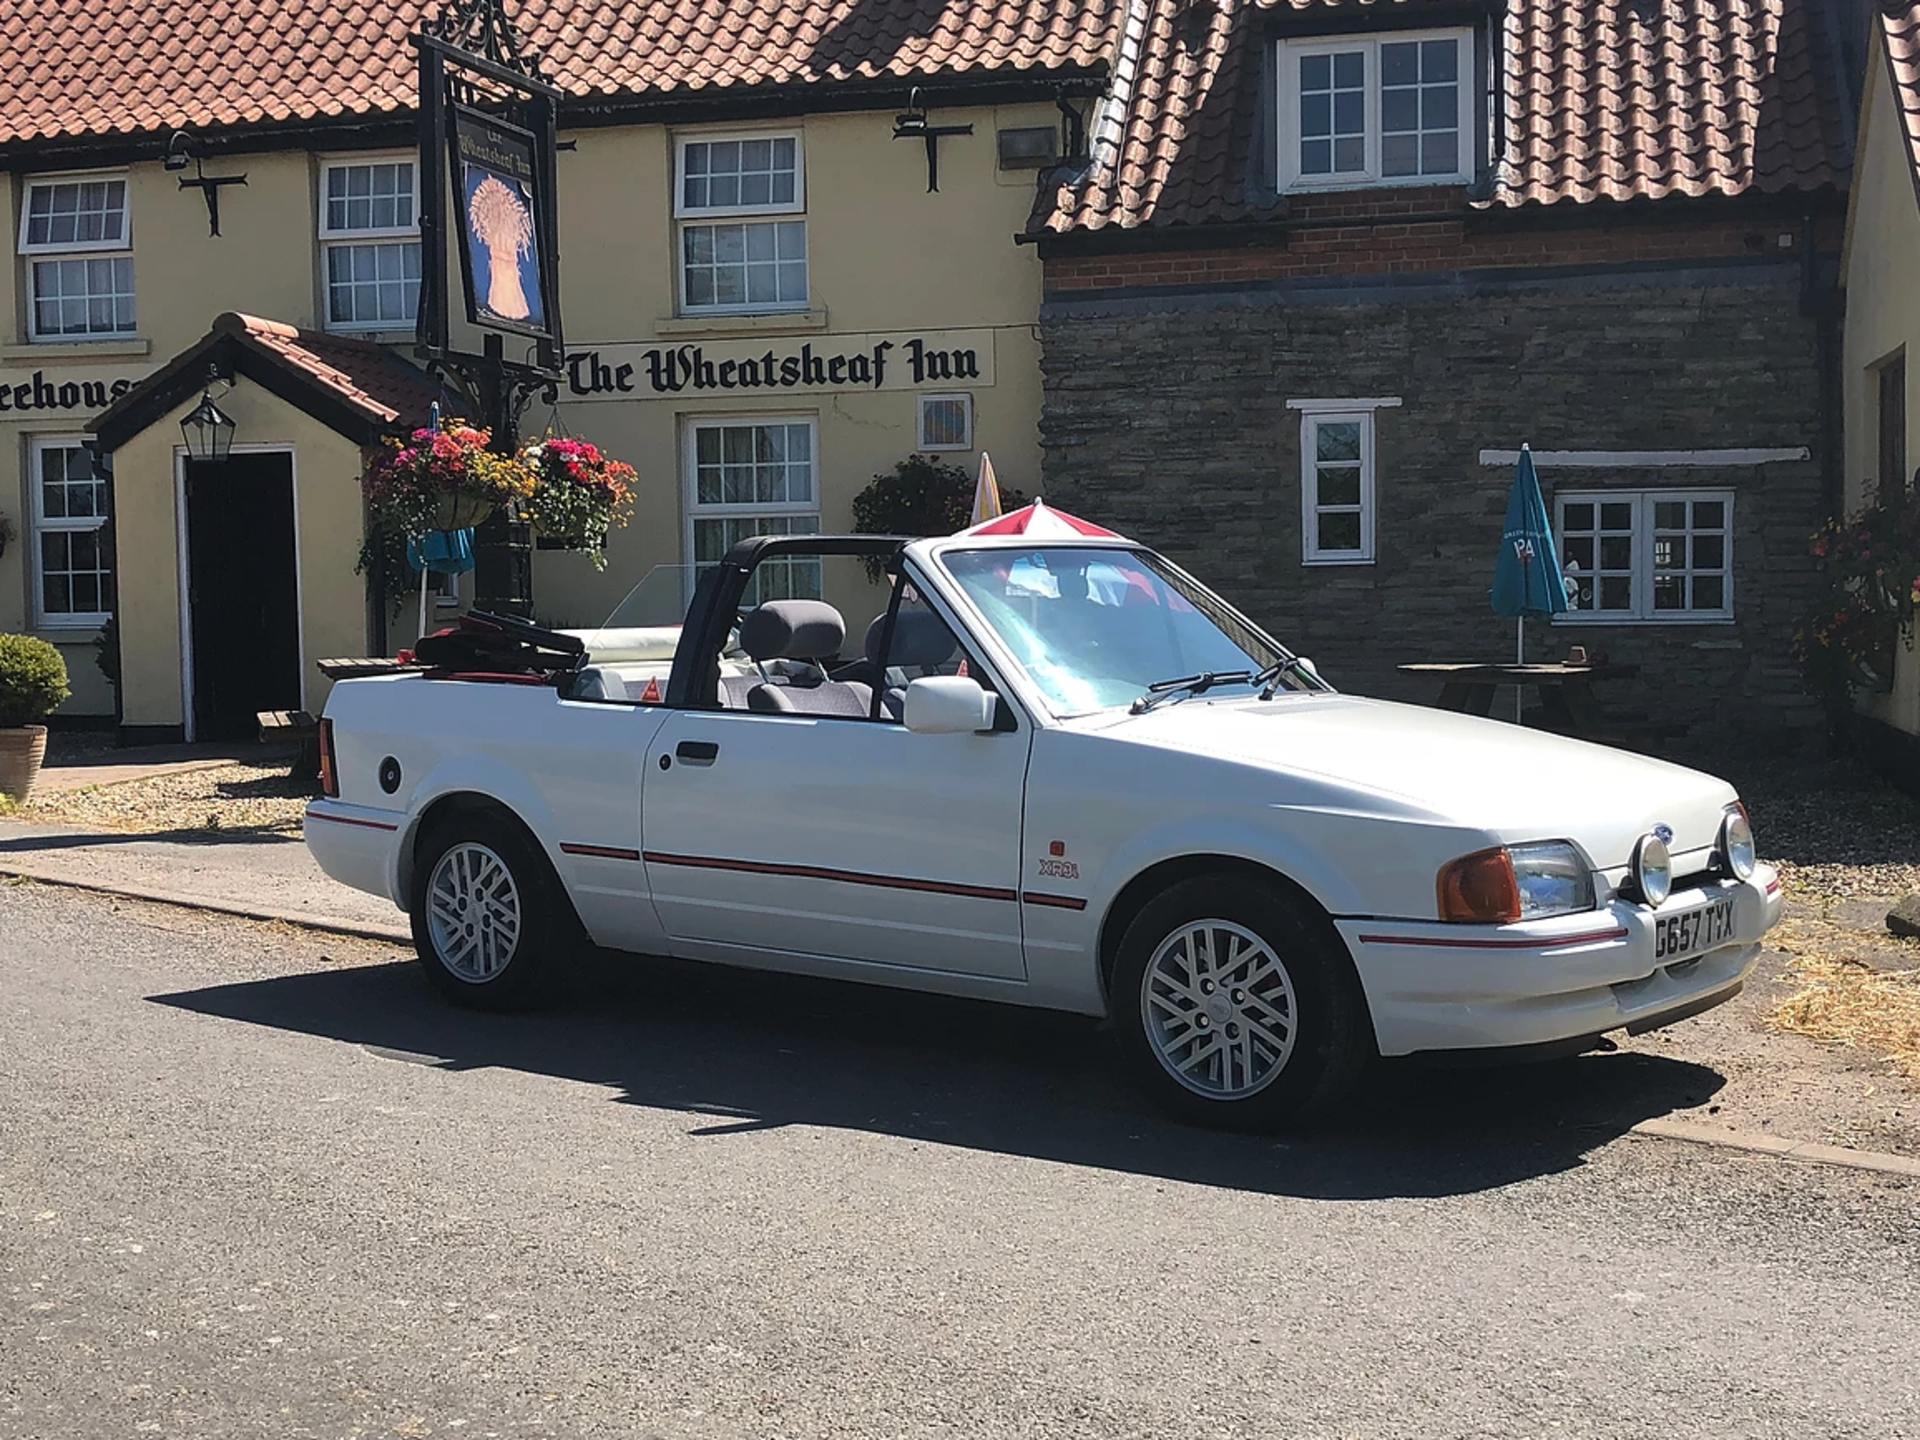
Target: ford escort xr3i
x,y
1059,773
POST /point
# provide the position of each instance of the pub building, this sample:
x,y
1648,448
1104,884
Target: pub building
x,y
766,302
1332,265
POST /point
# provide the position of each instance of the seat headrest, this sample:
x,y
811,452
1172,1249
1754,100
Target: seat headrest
x,y
793,630
920,639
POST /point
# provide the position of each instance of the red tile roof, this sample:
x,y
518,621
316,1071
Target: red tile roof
x,y
1900,28
1604,100
370,378
126,67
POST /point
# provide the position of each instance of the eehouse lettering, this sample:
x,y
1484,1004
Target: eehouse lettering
x,y
40,393
670,370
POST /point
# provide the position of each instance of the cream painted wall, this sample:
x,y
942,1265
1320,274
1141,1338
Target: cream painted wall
x,y
1883,314
326,522
884,256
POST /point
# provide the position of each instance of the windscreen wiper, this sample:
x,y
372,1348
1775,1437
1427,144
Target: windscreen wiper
x,y
1191,685
1271,677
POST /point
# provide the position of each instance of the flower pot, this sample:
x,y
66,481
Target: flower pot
x,y
462,510
21,752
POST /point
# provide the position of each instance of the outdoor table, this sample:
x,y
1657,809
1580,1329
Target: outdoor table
x,y
1566,691
355,669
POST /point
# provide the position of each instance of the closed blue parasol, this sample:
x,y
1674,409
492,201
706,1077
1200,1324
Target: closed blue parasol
x,y
1527,579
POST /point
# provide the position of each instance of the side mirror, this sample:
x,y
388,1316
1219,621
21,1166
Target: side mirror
x,y
947,705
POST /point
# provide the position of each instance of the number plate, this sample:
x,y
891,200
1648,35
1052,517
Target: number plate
x,y
1692,931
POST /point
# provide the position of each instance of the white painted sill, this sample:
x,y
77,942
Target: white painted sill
x,y
39,349
766,323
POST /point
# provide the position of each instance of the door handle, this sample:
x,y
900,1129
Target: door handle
x,y
697,752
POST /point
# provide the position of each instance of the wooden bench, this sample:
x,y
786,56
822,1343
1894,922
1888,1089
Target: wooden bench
x,y
301,728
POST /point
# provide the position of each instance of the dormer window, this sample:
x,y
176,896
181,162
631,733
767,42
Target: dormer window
x,y
1393,109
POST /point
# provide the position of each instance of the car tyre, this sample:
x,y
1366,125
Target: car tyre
x,y
1236,1005
490,920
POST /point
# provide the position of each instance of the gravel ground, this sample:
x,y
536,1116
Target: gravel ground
x,y
234,798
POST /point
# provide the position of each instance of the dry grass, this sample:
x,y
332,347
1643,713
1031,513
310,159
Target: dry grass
x,y
1845,1002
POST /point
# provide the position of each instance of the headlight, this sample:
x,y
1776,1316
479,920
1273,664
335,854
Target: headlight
x,y
1736,843
1553,879
1652,870
1517,882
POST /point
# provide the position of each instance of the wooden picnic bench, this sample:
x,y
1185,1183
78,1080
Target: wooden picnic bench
x,y
358,668
1568,705
303,730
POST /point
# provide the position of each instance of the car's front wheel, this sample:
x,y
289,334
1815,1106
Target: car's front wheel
x,y
1238,1006
488,917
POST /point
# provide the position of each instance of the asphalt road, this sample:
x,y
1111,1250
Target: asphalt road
x,y
258,1183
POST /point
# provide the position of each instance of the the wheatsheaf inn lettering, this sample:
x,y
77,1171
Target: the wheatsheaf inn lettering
x,y
40,393
672,369
494,157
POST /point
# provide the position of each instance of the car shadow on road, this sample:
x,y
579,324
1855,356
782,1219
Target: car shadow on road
x,y
741,1052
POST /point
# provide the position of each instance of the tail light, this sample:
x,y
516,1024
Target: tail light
x,y
1480,888
329,769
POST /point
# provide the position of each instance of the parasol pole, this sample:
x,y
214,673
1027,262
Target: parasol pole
x,y
424,572
1519,658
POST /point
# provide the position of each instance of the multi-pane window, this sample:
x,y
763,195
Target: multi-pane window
x,y
1648,555
1383,109
369,239
758,477
735,253
77,239
73,584
1337,483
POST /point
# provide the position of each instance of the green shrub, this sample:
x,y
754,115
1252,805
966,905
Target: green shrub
x,y
919,496
33,681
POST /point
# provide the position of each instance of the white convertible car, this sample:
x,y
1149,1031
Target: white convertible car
x,y
1059,773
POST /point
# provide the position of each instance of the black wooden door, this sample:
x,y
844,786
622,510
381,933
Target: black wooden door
x,y
242,596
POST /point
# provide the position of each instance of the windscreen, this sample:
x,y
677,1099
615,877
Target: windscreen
x,y
1097,627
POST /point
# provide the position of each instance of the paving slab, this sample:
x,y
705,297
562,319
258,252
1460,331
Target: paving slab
x,y
266,877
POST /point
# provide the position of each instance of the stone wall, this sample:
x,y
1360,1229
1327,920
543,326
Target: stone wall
x,y
1166,416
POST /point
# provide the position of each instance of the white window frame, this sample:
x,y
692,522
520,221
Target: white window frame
x,y
31,252
694,511
1643,611
332,237
1288,119
1313,414
31,183
685,215
920,428
41,523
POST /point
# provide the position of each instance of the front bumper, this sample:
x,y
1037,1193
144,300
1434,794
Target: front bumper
x,y
1431,986
357,845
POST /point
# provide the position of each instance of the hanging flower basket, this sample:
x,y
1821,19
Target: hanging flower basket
x,y
578,495
445,479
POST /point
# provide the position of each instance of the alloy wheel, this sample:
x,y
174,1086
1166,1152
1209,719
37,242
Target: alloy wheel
x,y
473,912
1219,1009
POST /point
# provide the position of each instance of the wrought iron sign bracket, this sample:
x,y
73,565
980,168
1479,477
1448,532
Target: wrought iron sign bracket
x,y
914,125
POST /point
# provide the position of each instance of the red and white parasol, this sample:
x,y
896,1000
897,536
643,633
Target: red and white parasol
x,y
1041,523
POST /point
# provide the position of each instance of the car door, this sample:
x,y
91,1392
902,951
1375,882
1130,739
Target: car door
x,y
854,839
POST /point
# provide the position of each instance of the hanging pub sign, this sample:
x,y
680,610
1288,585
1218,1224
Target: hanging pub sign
x,y
496,189
488,147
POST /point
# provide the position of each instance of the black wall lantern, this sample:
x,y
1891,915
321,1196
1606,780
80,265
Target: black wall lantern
x,y
208,429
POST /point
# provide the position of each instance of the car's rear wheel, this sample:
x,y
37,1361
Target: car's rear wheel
x,y
1237,1005
488,915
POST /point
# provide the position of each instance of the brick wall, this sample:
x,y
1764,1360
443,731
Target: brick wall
x,y
1166,417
